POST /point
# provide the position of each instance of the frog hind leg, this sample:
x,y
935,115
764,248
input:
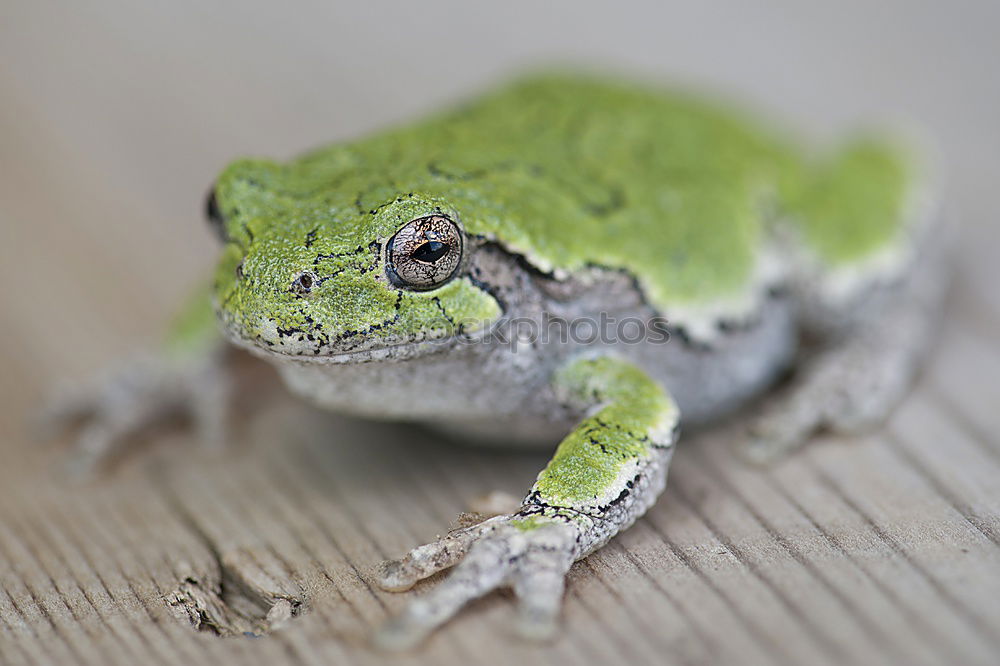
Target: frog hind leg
x,y
604,475
846,390
851,383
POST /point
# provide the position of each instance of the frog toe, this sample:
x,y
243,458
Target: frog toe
x,y
425,561
111,410
539,583
502,553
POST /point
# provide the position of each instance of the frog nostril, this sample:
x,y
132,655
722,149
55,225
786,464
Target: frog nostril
x,y
239,270
304,283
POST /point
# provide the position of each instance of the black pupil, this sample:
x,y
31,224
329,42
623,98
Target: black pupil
x,y
430,251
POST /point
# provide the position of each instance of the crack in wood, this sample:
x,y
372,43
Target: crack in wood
x,y
234,597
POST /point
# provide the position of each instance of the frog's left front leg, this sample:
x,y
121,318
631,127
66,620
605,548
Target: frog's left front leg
x,y
604,475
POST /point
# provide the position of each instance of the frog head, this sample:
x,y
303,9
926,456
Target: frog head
x,y
311,269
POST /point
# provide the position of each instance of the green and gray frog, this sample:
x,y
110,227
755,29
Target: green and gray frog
x,y
379,275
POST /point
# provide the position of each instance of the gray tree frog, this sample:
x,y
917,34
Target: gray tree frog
x,y
376,274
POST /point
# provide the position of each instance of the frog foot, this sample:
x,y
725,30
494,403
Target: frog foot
x,y
848,390
853,385
529,553
125,399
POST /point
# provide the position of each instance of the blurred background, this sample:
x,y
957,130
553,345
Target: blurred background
x,y
117,115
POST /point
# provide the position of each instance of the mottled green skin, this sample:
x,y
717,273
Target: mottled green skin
x,y
589,459
568,171
275,236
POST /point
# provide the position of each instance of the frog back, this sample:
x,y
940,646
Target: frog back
x,y
682,193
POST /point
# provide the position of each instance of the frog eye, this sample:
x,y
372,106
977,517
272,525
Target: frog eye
x,y
425,253
214,216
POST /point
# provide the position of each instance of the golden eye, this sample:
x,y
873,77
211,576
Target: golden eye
x,y
425,253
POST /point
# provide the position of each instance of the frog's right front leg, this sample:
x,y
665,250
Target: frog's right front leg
x,y
186,377
604,475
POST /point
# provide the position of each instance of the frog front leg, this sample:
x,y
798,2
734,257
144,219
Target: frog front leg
x,y
186,376
606,473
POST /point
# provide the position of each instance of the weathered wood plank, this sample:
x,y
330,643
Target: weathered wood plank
x,y
882,548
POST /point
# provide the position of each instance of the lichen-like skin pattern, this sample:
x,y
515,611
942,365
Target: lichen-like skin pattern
x,y
607,444
566,171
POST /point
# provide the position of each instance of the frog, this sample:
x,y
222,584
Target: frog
x,y
409,274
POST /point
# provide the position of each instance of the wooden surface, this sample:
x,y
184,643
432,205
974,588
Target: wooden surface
x,y
880,550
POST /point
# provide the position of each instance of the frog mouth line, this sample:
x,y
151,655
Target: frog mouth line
x,y
397,351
